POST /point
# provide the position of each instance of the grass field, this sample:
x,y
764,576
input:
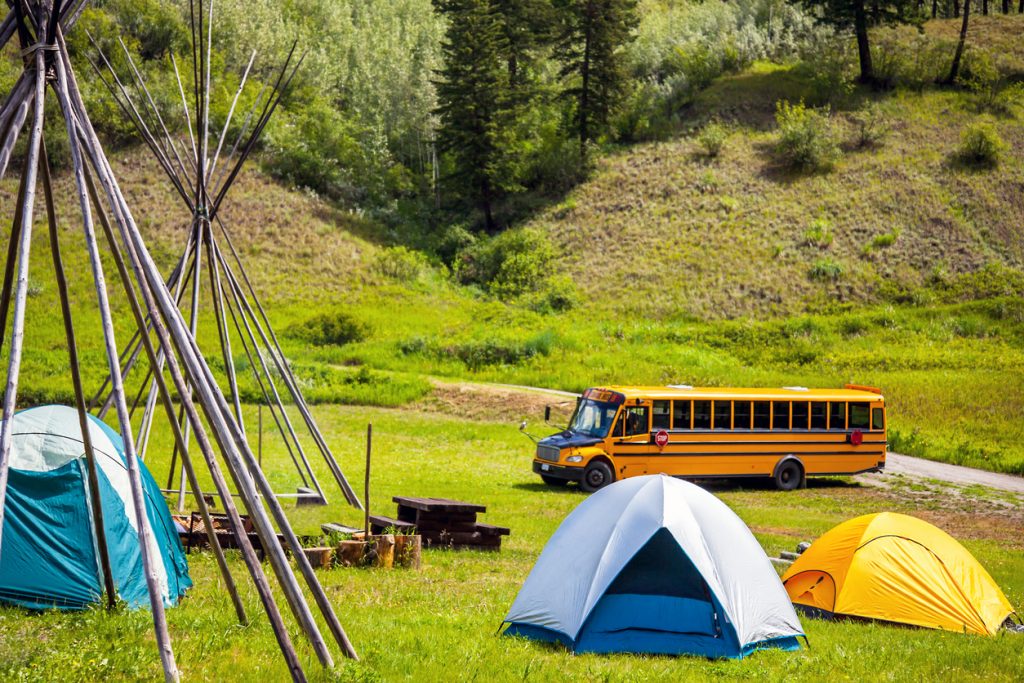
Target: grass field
x,y
440,623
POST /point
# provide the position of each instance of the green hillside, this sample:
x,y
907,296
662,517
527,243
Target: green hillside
x,y
900,267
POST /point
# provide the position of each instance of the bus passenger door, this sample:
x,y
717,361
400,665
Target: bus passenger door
x,y
632,441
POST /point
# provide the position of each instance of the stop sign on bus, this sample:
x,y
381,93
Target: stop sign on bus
x,y
661,438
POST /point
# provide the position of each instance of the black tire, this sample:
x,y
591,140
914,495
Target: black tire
x,y
554,481
597,475
789,475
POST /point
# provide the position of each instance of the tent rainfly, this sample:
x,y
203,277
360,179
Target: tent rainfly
x,y
110,235
655,565
896,568
49,557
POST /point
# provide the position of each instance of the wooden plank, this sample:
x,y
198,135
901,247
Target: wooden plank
x,y
492,530
335,528
379,522
438,504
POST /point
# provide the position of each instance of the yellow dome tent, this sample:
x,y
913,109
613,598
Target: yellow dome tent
x,y
897,568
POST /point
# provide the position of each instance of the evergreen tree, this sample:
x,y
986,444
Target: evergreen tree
x,y
858,15
475,104
529,27
590,48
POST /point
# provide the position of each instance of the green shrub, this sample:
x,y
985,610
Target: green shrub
x,y
819,234
870,127
980,145
712,138
828,66
806,138
401,263
558,295
825,269
882,241
332,328
508,265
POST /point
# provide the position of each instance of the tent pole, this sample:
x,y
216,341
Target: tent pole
x,y
76,380
263,390
171,673
241,304
222,326
147,272
193,324
17,120
21,287
165,395
12,258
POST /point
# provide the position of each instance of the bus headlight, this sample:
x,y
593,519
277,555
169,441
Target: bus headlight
x,y
574,458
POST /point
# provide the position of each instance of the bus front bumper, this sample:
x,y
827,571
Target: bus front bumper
x,y
548,469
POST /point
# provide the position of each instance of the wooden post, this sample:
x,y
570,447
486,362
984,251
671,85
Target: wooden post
x,y
107,578
259,427
366,482
21,287
168,404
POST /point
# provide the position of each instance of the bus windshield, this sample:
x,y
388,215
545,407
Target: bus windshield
x,y
593,418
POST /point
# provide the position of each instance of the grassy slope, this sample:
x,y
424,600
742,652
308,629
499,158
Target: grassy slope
x,y
440,623
663,244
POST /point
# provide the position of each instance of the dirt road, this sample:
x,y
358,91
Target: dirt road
x,y
919,468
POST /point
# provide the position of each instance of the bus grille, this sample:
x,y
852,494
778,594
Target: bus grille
x,y
548,452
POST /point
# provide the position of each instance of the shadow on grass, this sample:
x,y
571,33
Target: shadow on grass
x,y
713,485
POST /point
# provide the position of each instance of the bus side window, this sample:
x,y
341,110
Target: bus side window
x,y
877,418
702,414
799,414
723,415
661,415
819,415
680,414
762,415
636,420
741,415
780,419
860,416
837,416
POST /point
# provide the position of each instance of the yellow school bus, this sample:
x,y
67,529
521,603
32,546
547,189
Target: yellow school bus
x,y
787,434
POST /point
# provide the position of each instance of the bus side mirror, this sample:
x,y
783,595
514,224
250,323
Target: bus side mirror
x,y
547,413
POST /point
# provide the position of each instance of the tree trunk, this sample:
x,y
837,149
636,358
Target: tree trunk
x,y
486,201
956,9
585,94
984,7
935,8
1006,6
955,69
860,21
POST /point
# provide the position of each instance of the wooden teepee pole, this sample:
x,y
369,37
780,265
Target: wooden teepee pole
x,y
151,281
21,286
107,578
106,319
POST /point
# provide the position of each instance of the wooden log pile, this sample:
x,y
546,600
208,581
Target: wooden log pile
x,y
442,523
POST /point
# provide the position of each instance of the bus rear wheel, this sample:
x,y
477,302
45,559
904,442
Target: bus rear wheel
x,y
597,475
788,475
554,481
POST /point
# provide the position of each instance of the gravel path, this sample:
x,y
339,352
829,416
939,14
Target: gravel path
x,y
953,474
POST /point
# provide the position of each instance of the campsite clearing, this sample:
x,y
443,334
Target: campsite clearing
x,y
443,619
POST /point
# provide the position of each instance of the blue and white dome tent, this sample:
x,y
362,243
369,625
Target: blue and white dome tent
x,y
49,557
655,565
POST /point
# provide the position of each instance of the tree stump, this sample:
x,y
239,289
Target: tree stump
x,y
350,553
408,551
319,557
384,550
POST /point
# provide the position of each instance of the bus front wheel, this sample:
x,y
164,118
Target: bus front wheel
x,y
788,475
597,475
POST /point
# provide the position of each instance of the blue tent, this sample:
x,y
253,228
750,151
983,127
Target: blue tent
x,y
48,556
655,565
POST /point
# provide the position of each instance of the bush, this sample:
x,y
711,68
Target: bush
x,y
558,295
337,328
712,138
819,234
401,264
509,265
980,145
825,269
870,127
806,138
829,67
